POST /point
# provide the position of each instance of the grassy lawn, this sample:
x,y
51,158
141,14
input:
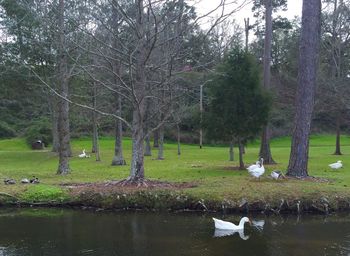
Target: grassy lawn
x,y
208,167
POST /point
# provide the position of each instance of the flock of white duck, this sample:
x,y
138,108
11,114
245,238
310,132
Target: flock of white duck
x,y
258,169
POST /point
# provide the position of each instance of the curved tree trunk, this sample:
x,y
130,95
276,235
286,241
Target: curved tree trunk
x,y
308,62
265,151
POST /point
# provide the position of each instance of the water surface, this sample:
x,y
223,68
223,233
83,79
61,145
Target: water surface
x,y
69,232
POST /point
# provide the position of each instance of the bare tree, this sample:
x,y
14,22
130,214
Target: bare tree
x,y
308,63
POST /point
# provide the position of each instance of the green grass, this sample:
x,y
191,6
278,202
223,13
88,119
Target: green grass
x,y
208,167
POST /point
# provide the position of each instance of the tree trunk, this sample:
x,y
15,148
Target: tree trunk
x,y
265,151
246,30
337,140
241,163
137,172
308,62
201,116
55,139
161,144
156,139
95,144
178,139
63,108
118,158
231,151
148,150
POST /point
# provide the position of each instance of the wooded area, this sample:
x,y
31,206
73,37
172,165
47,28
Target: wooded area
x,y
147,70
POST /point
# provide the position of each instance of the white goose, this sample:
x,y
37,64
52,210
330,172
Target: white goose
x,y
225,225
257,172
253,166
277,174
336,165
82,155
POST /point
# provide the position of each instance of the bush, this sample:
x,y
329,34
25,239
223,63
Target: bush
x,y
39,130
6,131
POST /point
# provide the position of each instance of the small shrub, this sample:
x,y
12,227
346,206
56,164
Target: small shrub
x,y
44,193
39,130
6,131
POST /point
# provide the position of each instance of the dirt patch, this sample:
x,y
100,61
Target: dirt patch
x,y
119,186
310,179
232,168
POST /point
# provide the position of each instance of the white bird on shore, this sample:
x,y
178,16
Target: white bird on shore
x,y
253,166
257,172
276,175
225,225
82,155
336,165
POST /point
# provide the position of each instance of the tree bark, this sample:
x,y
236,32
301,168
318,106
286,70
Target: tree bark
x,y
137,172
265,151
231,151
55,138
307,74
63,108
178,139
337,139
148,150
156,139
95,143
118,158
161,143
241,163
246,30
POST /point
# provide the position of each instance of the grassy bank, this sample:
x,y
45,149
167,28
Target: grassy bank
x,y
217,185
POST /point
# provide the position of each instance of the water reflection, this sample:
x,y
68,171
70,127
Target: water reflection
x,y
65,232
258,224
225,232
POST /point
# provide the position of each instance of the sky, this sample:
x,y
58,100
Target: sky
x,y
204,6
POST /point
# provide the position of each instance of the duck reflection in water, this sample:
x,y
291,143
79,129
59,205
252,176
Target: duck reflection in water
x,y
225,232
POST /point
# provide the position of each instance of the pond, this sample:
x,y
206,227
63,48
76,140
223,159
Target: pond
x,y
71,232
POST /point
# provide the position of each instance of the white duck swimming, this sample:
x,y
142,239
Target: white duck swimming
x,y
257,172
82,155
336,165
225,225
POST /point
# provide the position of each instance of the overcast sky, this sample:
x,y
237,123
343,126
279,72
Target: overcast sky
x,y
204,6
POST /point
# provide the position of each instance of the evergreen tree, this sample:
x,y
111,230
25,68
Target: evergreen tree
x,y
239,106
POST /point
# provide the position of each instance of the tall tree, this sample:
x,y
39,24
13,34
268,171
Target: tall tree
x,y
64,151
308,65
265,150
239,106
